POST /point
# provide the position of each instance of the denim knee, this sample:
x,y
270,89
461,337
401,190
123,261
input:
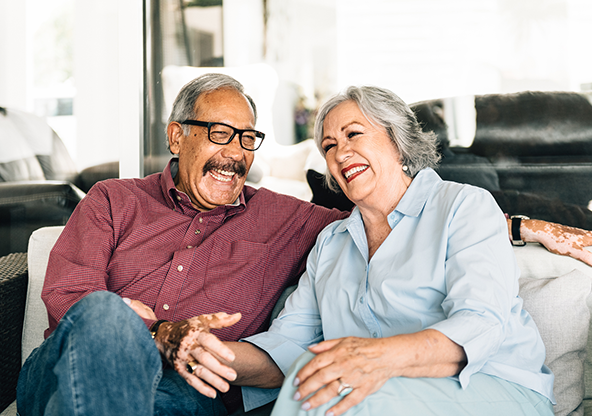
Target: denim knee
x,y
101,357
109,315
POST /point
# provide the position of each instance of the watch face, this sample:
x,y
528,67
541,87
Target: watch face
x,y
522,217
516,237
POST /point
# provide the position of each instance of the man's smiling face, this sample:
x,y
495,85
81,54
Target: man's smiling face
x,y
209,173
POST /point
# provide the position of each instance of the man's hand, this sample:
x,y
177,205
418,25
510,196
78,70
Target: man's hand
x,y
190,341
558,239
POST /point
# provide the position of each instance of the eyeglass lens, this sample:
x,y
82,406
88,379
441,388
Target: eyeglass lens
x,y
221,134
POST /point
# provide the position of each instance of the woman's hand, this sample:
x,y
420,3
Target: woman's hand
x,y
365,364
190,341
558,239
358,362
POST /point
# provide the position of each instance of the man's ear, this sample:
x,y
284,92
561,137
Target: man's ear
x,y
174,133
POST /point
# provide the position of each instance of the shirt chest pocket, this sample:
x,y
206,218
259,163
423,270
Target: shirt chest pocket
x,y
236,274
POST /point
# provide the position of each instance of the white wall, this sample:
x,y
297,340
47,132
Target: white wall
x,y
243,44
108,72
108,75
13,54
301,45
430,48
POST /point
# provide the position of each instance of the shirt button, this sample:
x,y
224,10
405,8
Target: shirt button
x,y
197,231
374,334
165,307
180,268
179,198
200,220
189,246
362,299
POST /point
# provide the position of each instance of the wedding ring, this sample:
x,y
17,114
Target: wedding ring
x,y
344,388
191,366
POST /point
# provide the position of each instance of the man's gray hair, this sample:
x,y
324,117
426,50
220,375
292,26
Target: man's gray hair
x,y
418,149
184,105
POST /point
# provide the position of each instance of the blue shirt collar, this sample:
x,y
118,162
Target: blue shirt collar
x,y
411,204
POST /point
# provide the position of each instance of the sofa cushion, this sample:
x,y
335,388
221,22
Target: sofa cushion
x,y
558,307
556,293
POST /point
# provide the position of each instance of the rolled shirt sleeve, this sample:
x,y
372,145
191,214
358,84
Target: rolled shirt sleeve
x,y
481,282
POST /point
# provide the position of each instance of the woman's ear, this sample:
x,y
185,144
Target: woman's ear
x,y
174,133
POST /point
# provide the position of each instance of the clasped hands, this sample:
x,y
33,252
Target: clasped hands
x,y
190,341
359,362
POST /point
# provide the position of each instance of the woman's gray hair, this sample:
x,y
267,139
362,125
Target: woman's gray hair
x,y
184,105
418,149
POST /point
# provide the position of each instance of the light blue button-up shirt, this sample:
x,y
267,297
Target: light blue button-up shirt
x,y
447,264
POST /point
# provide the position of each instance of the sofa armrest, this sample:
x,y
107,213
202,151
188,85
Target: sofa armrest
x,y
40,245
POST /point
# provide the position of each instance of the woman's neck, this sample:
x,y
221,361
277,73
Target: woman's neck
x,y
375,215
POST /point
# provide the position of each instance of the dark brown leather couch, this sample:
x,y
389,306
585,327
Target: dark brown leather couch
x,y
39,183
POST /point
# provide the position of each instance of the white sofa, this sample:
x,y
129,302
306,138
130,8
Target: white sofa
x,y
556,291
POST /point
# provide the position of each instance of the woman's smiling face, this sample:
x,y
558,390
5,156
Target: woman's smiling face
x,y
361,157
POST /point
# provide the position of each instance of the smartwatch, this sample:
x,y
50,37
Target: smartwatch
x,y
155,326
516,238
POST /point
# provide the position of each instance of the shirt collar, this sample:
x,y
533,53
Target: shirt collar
x,y
418,193
167,182
410,205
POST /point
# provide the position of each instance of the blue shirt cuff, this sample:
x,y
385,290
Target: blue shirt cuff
x,y
476,336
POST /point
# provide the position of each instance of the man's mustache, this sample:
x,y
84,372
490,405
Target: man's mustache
x,y
238,167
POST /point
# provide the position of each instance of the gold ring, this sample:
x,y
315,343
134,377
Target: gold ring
x,y
191,366
344,388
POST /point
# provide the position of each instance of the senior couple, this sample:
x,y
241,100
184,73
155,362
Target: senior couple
x,y
407,305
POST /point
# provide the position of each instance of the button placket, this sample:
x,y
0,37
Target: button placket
x,y
174,281
198,230
364,311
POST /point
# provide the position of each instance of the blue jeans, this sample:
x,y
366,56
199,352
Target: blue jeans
x,y
101,360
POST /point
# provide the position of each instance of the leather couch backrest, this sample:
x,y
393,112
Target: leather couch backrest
x,y
533,124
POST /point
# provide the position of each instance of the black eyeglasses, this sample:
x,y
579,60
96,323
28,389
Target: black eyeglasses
x,y
222,134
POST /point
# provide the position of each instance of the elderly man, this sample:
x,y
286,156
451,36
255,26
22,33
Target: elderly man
x,y
176,246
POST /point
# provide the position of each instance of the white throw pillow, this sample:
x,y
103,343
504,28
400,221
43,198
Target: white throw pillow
x,y
560,308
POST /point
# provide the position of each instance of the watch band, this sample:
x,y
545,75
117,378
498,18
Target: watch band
x,y
154,327
516,237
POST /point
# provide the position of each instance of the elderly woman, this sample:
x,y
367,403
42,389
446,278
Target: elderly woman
x,y
409,306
